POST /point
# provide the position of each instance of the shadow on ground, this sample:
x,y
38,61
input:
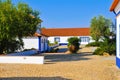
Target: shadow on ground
x,y
62,50
61,57
34,78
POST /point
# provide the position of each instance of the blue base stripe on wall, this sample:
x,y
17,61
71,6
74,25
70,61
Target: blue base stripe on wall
x,y
118,62
63,43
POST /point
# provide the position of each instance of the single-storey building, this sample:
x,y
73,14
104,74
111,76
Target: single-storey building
x,y
61,35
40,40
115,7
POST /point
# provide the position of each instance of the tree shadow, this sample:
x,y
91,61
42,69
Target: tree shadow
x,y
66,57
35,78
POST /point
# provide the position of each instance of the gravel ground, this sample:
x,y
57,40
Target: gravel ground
x,y
83,66
61,66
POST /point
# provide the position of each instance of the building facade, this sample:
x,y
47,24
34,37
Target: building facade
x,y
115,7
39,42
61,35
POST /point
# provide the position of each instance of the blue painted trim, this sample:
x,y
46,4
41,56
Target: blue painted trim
x,y
114,13
118,62
63,43
44,45
47,45
118,13
39,43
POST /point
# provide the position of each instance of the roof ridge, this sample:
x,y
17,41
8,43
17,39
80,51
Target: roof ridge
x,y
70,28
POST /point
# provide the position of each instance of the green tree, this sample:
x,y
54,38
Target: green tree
x,y
99,28
16,21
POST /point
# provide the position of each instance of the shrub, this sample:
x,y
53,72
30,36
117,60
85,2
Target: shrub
x,y
52,44
55,42
94,44
10,46
98,51
73,44
108,46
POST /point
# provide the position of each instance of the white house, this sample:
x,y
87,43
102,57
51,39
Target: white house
x,y
38,41
115,7
62,34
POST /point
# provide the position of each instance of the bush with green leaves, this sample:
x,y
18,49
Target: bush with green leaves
x,y
73,44
11,45
52,44
100,30
94,44
98,51
108,46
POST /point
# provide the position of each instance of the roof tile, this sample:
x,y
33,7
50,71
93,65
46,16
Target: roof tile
x,y
66,31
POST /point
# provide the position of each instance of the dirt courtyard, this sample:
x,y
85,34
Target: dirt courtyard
x,y
61,66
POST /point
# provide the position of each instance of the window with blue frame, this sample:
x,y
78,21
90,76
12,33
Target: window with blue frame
x,y
57,39
84,39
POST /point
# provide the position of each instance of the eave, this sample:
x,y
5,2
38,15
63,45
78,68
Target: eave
x,y
114,4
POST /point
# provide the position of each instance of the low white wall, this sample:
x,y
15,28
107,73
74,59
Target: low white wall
x,y
22,59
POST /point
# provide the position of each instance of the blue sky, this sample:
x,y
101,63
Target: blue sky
x,y
70,13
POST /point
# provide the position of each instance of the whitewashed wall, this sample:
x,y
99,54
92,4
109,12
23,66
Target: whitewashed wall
x,y
63,39
118,35
51,39
31,42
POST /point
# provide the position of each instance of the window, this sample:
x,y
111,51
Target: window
x,y
57,39
84,39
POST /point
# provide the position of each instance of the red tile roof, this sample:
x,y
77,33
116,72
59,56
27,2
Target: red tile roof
x,y
66,32
114,4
